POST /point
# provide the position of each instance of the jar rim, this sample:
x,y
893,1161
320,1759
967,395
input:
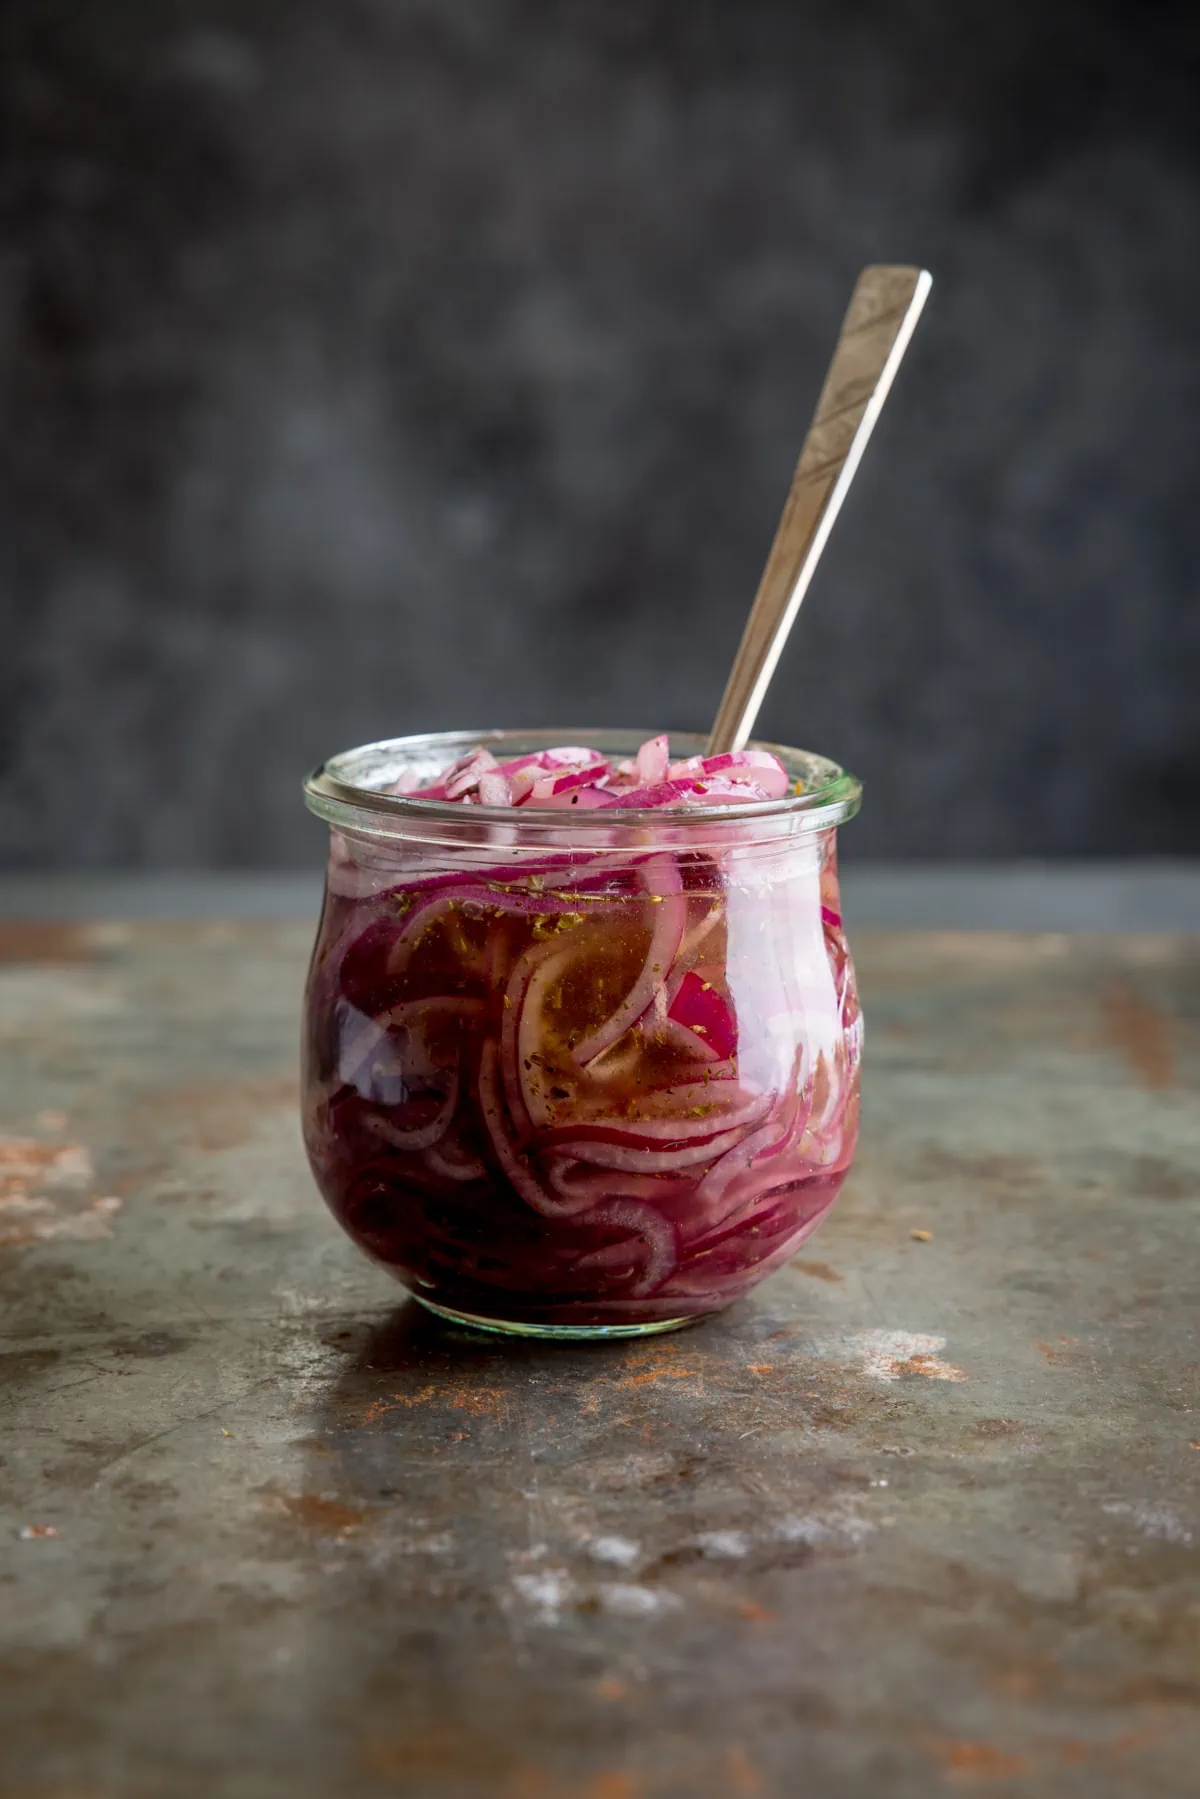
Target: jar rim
x,y
348,790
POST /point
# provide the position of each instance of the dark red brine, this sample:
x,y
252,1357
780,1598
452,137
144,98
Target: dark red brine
x,y
595,1088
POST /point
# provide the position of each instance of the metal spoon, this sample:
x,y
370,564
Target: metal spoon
x,y
880,320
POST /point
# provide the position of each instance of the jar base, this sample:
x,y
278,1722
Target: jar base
x,y
563,1333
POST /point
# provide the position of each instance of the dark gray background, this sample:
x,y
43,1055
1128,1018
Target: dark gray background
x,y
396,364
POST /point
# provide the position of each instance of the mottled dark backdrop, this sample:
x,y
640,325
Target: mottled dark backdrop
x,y
388,364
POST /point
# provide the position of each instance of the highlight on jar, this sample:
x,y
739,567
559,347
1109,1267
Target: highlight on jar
x,y
582,1037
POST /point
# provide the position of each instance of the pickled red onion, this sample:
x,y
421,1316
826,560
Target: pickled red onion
x,y
665,891
573,775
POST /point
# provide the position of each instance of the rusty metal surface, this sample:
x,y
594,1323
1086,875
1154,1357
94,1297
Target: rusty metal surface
x,y
921,1517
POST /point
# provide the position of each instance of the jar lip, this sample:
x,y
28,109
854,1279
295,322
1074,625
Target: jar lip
x,y
347,789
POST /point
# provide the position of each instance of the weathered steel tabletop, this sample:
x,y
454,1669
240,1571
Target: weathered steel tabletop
x,y
921,1516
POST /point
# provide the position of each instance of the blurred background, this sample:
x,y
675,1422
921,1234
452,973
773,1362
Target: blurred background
x,y
406,364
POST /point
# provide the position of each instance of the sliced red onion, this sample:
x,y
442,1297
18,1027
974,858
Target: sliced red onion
x,y
366,1041
720,1195
655,1232
454,1163
822,1128
474,900
522,783
644,1160
649,780
517,763
657,1235
528,1009
586,798
692,791
677,1128
699,1007
716,1182
555,782
730,790
467,776
696,1281
694,936
420,1136
570,756
514,1165
757,766
429,908
448,784
650,799
678,1036
665,893
495,789
651,762
583,1183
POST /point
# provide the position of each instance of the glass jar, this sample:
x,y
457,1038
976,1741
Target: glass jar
x,y
567,1077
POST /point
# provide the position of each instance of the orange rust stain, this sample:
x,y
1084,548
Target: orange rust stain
x,y
656,1374
984,1762
316,1513
1054,1353
745,1781
43,1194
755,1613
480,1402
611,1688
931,1366
32,940
762,1367
23,1159
978,1761
1141,1032
817,1271
614,1785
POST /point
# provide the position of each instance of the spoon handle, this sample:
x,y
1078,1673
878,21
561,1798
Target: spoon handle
x,y
880,319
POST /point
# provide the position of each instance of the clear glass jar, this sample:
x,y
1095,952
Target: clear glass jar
x,y
574,1078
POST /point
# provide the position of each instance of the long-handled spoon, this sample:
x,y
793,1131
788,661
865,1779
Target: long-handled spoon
x,y
880,319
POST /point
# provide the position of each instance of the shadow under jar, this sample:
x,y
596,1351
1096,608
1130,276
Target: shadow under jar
x,y
571,1077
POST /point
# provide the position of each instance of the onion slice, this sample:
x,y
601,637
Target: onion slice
x,y
366,1041
666,897
657,1234
517,1168
454,1163
421,1136
643,1159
